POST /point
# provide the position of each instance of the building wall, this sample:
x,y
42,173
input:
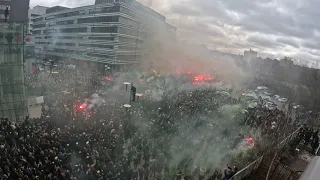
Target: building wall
x,y
18,10
33,13
108,33
12,91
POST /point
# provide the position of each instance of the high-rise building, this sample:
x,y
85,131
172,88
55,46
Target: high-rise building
x,y
113,33
250,56
12,90
18,10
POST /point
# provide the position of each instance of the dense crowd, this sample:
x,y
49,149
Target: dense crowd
x,y
184,133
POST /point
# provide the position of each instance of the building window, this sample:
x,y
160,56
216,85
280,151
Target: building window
x,y
97,46
104,29
99,19
69,14
65,22
74,30
39,26
130,40
131,23
105,10
99,55
102,38
128,57
36,32
66,44
131,32
4,7
37,19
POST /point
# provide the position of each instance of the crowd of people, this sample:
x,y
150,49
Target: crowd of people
x,y
173,137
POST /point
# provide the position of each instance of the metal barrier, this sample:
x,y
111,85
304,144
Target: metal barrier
x,y
280,147
247,170
255,165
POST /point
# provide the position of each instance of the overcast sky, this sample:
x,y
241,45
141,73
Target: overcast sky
x,y
271,27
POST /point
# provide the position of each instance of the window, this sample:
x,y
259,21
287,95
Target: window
x,y
37,19
128,57
36,32
42,42
105,10
49,17
99,19
4,7
69,14
39,26
97,46
74,30
66,44
130,40
102,38
64,37
131,23
131,32
99,55
50,31
65,22
104,29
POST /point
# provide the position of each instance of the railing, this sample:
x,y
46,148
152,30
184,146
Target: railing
x,y
254,166
279,148
247,170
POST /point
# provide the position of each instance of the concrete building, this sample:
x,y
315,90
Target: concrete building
x,y
250,56
33,13
117,34
18,10
13,103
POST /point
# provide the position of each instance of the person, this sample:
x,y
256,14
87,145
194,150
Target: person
x,y
6,14
315,143
229,172
133,92
307,136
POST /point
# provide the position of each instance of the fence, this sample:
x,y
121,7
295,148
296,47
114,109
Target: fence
x,y
255,165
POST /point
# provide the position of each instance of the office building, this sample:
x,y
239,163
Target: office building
x,y
12,90
18,10
116,34
33,13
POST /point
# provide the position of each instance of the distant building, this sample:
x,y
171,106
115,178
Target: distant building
x,y
18,10
33,13
116,33
250,56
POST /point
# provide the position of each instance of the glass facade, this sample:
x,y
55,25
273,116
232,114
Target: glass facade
x,y
13,102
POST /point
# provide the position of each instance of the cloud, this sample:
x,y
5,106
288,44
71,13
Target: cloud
x,y
280,27
67,3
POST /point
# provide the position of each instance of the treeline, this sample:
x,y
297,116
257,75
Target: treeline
x,y
301,85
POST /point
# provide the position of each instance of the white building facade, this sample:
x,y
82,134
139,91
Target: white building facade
x,y
110,33
33,13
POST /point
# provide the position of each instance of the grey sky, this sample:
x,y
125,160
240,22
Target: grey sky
x,y
272,27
